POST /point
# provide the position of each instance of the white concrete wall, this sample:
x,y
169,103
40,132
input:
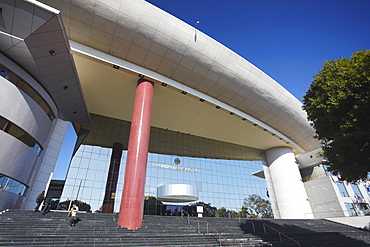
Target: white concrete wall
x,y
360,222
291,196
19,161
47,163
323,198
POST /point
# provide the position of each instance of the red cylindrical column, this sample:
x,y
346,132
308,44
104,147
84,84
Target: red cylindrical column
x,y
132,204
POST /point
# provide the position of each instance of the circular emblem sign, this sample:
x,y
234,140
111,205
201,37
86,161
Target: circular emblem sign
x,y
177,161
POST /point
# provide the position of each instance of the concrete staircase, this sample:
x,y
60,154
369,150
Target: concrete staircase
x,y
28,228
315,232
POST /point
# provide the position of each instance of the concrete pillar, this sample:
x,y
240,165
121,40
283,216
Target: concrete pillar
x,y
132,204
270,188
111,185
289,191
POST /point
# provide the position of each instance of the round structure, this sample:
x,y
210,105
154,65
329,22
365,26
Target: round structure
x,y
177,193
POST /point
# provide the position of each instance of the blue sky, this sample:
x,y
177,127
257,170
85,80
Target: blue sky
x,y
288,40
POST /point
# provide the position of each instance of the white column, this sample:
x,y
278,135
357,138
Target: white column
x,y
270,188
291,196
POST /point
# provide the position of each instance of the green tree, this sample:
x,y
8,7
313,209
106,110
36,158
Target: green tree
x,y
208,210
256,207
82,206
338,106
221,212
225,213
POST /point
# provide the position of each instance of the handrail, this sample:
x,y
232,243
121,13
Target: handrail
x,y
183,211
207,226
254,228
280,233
217,232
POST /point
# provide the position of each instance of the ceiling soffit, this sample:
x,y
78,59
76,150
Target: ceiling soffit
x,y
143,34
33,36
110,92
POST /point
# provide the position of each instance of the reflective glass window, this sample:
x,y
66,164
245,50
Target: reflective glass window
x,y
342,189
350,209
11,185
356,191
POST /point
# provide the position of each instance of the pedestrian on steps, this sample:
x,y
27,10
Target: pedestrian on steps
x,y
40,198
73,214
47,204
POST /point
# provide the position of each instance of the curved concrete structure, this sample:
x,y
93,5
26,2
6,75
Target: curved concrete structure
x,y
177,193
143,39
85,57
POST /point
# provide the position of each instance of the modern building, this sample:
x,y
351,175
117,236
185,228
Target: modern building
x,y
161,110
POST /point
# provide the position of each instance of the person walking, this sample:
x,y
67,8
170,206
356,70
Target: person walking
x,y
73,214
40,198
47,202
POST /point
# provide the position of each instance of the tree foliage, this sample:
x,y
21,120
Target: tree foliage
x,y
225,213
337,104
82,206
256,207
208,210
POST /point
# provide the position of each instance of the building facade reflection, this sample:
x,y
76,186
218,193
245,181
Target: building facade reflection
x,y
221,182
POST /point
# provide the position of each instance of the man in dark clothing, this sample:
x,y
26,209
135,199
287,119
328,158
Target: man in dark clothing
x,y
40,198
47,203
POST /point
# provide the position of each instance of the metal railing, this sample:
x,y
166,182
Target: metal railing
x,y
253,227
208,226
280,234
188,215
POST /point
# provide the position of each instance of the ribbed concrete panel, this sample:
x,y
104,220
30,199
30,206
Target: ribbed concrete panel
x,y
10,200
23,111
20,166
30,81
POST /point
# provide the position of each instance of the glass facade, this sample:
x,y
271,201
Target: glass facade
x,y
357,191
220,182
11,185
350,209
223,183
342,189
